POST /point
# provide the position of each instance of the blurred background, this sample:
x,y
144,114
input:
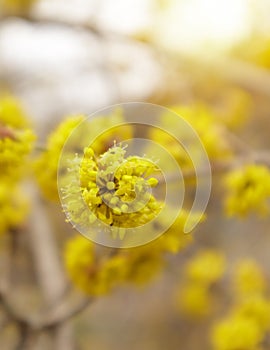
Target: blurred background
x,y
69,57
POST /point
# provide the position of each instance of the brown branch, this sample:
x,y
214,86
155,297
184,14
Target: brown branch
x,y
44,20
244,74
10,312
61,316
50,275
260,157
41,322
6,132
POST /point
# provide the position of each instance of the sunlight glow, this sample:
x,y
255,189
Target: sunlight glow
x,y
194,24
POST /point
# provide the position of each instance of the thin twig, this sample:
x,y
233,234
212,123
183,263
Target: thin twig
x,y
244,74
23,337
260,157
44,20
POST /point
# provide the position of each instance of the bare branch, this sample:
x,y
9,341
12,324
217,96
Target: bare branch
x,y
41,322
48,267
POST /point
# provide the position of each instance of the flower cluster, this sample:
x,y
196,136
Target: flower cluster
x,y
96,274
204,122
12,114
248,190
13,207
237,333
248,321
49,158
91,129
16,139
114,188
201,273
15,145
16,142
234,108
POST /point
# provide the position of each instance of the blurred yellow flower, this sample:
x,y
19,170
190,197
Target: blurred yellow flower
x,y
255,307
235,333
205,123
194,296
206,267
248,190
94,275
98,275
12,114
102,130
174,239
194,300
16,140
46,166
13,207
248,278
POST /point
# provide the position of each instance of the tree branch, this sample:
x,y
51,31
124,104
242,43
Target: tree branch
x,y
244,74
39,323
48,267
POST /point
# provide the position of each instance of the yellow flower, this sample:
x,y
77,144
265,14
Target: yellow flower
x,y
248,278
255,307
93,274
249,318
114,188
102,129
13,207
46,166
13,152
16,141
98,275
209,130
234,108
173,239
204,122
143,263
108,131
194,300
201,272
206,267
235,333
248,190
12,114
